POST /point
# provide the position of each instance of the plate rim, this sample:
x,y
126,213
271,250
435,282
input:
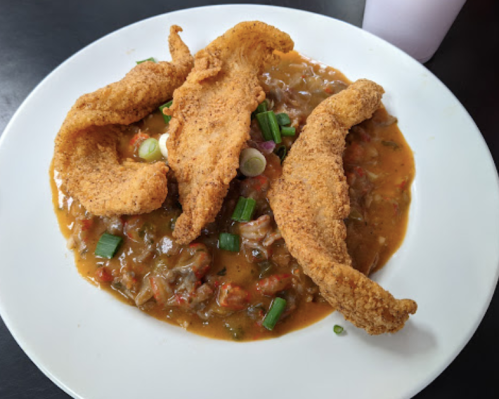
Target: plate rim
x,y
483,144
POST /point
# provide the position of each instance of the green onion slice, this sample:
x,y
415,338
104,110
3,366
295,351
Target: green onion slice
x,y
337,329
149,150
148,59
229,242
269,126
108,245
167,105
252,162
263,122
281,152
275,311
283,119
163,139
274,127
288,131
262,107
244,210
249,209
239,209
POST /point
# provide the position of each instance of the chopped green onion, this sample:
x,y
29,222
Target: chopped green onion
x,y
244,209
108,245
252,162
262,107
229,242
269,126
148,59
281,152
254,166
283,119
263,122
238,211
249,209
288,131
274,127
149,150
167,105
275,311
337,329
162,144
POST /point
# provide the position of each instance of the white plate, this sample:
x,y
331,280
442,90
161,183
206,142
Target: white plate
x,y
93,346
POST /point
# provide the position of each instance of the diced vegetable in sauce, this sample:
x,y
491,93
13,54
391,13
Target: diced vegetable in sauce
x,y
229,242
264,123
244,209
107,245
252,162
262,107
283,119
276,310
162,144
288,131
149,150
281,152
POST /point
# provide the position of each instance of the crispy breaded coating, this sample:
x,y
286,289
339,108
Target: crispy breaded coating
x,y
211,116
310,201
86,156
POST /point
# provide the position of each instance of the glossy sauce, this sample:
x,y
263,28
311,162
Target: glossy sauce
x,y
224,294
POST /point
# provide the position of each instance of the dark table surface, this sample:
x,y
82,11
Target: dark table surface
x,y
35,37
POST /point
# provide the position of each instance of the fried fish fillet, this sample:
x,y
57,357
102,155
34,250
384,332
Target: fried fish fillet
x,y
211,115
310,201
86,158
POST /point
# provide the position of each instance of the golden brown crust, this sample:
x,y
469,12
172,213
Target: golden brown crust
x,y
310,201
106,185
85,154
211,115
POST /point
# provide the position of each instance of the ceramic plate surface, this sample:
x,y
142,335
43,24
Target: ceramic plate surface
x,y
94,346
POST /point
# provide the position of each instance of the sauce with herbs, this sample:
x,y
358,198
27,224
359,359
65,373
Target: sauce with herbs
x,y
225,294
